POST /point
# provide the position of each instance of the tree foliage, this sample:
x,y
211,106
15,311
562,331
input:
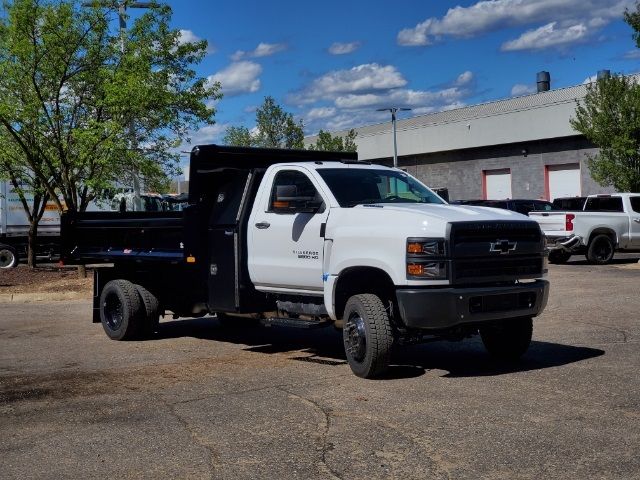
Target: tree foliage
x,y
633,19
239,137
88,108
609,116
275,128
328,142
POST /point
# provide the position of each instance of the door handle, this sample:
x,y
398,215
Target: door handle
x,y
263,225
637,220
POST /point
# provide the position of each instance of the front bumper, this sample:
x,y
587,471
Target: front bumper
x,y
443,308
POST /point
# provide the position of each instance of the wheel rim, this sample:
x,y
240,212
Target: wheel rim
x,y
356,340
6,258
113,312
602,250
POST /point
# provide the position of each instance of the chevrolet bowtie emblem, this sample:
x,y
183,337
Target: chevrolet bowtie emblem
x,y
502,246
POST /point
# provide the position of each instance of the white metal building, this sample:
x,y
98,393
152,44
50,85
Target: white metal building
x,y
521,147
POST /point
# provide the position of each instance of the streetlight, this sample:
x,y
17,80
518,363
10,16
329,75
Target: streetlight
x,y
122,17
393,111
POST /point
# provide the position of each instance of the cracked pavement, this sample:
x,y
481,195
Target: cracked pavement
x,y
206,402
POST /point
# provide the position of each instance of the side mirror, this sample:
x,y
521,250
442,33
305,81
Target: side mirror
x,y
287,200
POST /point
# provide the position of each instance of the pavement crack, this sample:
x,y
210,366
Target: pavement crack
x,y
325,446
624,334
442,466
256,389
213,459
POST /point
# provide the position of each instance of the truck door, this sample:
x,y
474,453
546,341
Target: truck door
x,y
226,195
285,235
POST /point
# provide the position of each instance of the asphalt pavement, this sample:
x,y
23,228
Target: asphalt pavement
x,y
205,401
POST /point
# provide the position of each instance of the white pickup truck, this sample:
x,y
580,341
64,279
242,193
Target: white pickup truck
x,y
608,223
309,239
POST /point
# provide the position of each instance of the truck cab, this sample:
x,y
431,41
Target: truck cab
x,y
311,239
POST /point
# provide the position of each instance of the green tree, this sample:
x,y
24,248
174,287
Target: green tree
x,y
609,117
633,19
88,108
275,128
327,142
239,137
30,190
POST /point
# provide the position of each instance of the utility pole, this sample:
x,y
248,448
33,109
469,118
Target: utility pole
x,y
122,18
393,111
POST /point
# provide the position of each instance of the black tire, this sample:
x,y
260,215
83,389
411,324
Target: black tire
x,y
151,308
600,250
8,257
367,335
559,256
508,340
121,311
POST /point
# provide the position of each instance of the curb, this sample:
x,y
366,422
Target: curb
x,y
42,297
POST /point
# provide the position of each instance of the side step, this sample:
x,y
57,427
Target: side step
x,y
294,322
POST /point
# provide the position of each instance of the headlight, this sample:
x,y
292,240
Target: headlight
x,y
432,247
426,259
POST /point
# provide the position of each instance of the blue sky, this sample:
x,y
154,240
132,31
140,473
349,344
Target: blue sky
x,y
332,63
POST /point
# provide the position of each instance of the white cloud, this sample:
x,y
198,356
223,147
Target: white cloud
x,y
262,50
489,15
209,134
520,89
337,48
632,55
547,36
369,77
187,36
355,96
320,112
238,78
401,97
465,78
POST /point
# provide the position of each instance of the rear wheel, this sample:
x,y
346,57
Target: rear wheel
x,y
509,339
8,256
367,335
151,308
121,311
600,250
559,256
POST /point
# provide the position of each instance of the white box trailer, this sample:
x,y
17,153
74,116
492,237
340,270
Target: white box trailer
x,y
14,227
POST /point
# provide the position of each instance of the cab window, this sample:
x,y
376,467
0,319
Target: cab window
x,y
289,184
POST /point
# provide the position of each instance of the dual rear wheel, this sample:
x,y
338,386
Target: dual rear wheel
x,y
128,311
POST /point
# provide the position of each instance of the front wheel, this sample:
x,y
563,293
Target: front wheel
x,y
8,256
367,335
509,339
600,250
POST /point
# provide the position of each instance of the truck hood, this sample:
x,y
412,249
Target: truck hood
x,y
449,213
400,221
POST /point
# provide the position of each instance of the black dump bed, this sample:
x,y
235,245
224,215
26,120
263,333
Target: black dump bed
x,y
94,237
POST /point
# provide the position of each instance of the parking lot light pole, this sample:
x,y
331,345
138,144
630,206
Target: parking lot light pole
x,y
393,111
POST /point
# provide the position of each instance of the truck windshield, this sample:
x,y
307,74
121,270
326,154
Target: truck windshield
x,y
357,186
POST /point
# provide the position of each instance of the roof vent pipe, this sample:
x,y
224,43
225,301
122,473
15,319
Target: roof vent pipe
x,y
544,81
603,74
